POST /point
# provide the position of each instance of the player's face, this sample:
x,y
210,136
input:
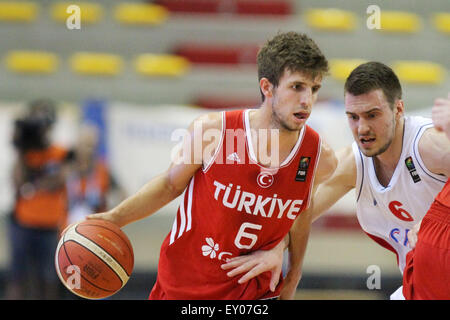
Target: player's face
x,y
293,99
371,120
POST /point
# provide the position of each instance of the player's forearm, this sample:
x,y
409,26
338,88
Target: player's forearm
x,y
149,199
326,196
298,242
323,200
334,188
297,249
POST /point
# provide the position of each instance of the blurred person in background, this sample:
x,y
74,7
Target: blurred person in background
x,y
90,185
397,165
427,271
40,206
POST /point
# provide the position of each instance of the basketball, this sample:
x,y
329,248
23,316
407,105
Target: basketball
x,y
94,259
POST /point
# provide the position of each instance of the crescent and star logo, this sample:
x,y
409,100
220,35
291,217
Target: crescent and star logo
x,y
264,179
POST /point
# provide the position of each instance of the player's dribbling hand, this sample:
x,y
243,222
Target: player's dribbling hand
x,y
108,216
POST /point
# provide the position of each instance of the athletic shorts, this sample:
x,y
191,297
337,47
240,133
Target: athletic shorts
x,y
427,272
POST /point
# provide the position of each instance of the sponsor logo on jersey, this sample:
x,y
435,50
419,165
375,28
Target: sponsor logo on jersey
x,y
234,198
302,170
396,235
412,169
211,250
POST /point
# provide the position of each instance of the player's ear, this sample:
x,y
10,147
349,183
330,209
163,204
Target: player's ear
x,y
266,87
399,107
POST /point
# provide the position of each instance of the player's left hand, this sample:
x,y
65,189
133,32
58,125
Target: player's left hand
x,y
256,263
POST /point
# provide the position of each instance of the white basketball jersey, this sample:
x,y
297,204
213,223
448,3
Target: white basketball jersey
x,y
386,214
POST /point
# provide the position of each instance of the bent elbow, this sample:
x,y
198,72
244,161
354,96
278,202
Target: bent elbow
x,y
172,189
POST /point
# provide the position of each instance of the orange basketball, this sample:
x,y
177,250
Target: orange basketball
x,y
94,259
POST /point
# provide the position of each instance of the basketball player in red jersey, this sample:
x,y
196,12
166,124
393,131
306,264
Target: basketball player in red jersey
x,y
427,271
236,199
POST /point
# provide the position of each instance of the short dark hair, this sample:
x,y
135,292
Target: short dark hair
x,y
293,51
372,76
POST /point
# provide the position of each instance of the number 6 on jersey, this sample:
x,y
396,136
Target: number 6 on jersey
x,y
243,234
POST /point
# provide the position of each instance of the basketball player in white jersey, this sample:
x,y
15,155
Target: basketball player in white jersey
x,y
206,227
397,165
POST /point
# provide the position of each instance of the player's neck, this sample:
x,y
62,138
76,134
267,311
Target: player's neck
x,y
261,124
262,119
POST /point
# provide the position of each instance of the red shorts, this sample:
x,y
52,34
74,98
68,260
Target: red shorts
x,y
427,272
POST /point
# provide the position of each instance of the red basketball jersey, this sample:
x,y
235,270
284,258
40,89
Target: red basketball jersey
x,y
231,207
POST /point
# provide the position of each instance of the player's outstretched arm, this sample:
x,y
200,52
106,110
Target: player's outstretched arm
x,y
170,184
341,182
